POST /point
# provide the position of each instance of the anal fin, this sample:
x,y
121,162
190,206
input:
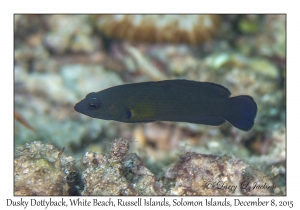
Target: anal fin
x,y
210,120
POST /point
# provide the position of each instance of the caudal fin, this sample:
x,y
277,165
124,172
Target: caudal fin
x,y
240,111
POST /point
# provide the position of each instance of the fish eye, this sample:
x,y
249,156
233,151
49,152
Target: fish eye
x,y
93,104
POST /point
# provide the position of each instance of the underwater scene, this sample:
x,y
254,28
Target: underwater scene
x,y
150,105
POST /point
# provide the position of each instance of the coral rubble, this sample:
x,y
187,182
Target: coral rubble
x,y
197,174
41,169
117,174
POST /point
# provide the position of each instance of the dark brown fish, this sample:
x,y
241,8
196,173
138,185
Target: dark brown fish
x,y
170,100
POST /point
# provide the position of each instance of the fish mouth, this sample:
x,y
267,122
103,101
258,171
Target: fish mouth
x,y
76,108
80,107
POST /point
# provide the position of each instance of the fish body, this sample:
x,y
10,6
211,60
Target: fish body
x,y
170,100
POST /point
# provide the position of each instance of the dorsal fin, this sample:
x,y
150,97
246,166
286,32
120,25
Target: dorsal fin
x,y
214,89
217,89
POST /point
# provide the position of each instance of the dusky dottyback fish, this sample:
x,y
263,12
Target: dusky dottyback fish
x,y
170,100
